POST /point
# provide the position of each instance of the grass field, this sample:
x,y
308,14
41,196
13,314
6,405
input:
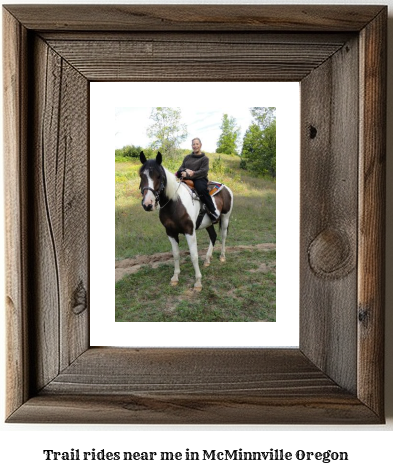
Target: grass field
x,y
230,293
242,289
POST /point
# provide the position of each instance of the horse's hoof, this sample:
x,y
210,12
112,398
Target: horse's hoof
x,y
174,283
197,288
223,259
206,264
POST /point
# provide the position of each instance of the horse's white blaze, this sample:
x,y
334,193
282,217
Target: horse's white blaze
x,y
149,198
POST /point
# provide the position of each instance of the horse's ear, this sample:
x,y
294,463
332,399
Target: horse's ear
x,y
159,158
142,157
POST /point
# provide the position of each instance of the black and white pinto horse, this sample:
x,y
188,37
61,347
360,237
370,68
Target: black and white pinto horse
x,y
178,212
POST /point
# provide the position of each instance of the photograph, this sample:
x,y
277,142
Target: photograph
x,y
195,204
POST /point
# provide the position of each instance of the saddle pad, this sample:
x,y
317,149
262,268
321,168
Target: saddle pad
x,y
214,187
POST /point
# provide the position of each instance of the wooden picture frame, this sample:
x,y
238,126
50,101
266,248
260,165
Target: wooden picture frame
x,y
338,54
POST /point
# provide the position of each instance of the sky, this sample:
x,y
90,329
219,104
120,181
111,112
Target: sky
x,y
131,124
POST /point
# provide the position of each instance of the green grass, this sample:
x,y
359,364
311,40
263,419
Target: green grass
x,y
230,293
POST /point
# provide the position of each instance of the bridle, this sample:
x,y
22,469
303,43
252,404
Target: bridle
x,y
160,188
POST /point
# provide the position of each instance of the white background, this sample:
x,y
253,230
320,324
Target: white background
x,y
369,447
104,97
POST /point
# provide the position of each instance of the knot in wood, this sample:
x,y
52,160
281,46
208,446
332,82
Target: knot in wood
x,y
363,316
80,299
313,132
331,254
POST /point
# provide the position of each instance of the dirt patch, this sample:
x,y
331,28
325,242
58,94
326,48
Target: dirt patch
x,y
132,265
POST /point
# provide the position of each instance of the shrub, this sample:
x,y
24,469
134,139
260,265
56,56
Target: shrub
x,y
128,152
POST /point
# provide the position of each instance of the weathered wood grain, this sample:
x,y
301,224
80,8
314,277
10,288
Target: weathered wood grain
x,y
60,177
195,17
372,190
193,409
233,37
187,371
14,148
218,59
329,174
193,386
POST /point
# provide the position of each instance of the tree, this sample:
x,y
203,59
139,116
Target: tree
x,y
259,143
166,131
230,132
131,151
263,116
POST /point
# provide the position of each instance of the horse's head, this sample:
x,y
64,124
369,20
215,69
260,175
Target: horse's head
x,y
152,183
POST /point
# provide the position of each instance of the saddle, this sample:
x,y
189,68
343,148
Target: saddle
x,y
212,186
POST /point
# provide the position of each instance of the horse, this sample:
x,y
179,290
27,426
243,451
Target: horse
x,y
179,211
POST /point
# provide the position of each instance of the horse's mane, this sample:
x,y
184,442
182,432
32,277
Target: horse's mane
x,y
172,186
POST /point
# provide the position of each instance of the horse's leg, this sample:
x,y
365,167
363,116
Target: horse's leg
x,y
176,257
213,236
224,232
192,245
